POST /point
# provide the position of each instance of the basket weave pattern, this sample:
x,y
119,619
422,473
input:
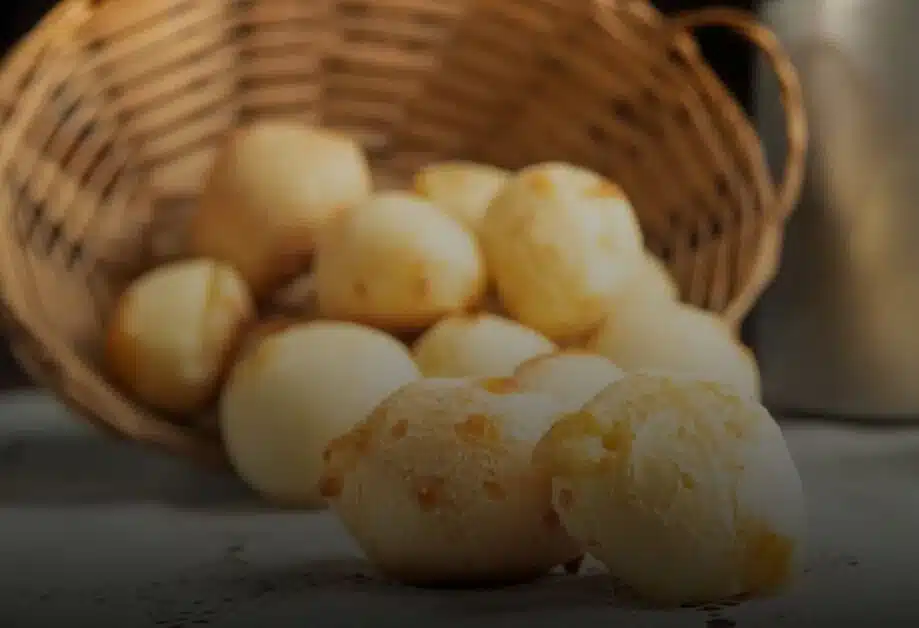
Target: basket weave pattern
x,y
110,113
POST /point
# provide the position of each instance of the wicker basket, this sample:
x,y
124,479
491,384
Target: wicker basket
x,y
110,112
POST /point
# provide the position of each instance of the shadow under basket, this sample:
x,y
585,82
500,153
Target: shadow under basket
x,y
110,113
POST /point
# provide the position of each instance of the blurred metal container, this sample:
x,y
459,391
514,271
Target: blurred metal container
x,y
838,332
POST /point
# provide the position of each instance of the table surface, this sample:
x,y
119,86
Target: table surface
x,y
94,529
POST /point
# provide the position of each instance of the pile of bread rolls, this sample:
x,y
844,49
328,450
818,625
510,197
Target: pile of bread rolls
x,y
484,376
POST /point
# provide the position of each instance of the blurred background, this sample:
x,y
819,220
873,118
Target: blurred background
x,y
729,55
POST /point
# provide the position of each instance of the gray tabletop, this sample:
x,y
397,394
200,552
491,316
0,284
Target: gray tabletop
x,y
92,529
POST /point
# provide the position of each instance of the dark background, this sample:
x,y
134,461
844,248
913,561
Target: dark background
x,y
730,57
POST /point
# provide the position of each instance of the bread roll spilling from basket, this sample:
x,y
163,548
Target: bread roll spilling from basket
x,y
438,487
270,190
296,390
347,332
520,350
683,488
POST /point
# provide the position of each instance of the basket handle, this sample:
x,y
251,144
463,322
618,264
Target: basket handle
x,y
746,25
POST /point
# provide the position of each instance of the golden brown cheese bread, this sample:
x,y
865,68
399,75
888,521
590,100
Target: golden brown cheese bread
x,y
464,189
174,330
653,335
271,189
477,345
296,390
685,490
437,486
573,377
561,243
397,262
